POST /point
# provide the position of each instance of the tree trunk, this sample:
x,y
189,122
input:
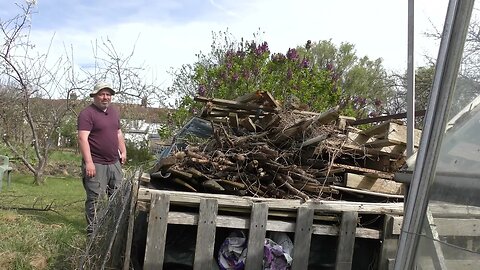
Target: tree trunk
x,y
38,176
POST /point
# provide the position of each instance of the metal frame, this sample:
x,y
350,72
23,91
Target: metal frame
x,y
448,63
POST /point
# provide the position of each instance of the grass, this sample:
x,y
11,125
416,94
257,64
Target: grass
x,y
49,237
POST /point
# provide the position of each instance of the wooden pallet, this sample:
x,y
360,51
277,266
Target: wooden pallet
x,y
215,211
263,218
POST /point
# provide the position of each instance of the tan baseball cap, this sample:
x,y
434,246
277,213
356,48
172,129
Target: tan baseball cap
x,y
100,86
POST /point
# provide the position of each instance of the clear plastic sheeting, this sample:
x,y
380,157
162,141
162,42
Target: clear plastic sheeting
x,y
450,239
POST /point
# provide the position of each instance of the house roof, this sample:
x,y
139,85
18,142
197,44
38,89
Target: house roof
x,y
127,111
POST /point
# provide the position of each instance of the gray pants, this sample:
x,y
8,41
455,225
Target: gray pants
x,y
106,180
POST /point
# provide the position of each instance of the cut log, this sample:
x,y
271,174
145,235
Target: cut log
x,y
180,173
164,163
364,171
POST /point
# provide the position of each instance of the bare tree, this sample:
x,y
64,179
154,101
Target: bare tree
x,y
128,79
28,127
38,95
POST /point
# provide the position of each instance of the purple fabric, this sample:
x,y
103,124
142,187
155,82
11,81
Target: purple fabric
x,y
274,256
232,253
103,138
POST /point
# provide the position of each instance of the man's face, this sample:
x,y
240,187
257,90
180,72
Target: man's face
x,y
102,99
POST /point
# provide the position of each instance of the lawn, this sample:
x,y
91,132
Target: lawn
x,y
41,227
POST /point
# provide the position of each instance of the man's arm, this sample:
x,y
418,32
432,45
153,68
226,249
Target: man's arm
x,y
85,151
122,147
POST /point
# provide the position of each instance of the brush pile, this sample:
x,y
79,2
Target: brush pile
x,y
260,148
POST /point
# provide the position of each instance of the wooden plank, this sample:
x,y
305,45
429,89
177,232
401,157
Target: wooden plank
x,y
448,226
270,99
357,141
303,235
131,219
373,184
432,234
346,241
389,244
398,133
190,198
360,150
248,124
206,235
379,130
371,193
156,232
238,222
256,236
383,143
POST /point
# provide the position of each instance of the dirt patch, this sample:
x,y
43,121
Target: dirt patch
x,y
9,218
7,259
63,169
39,262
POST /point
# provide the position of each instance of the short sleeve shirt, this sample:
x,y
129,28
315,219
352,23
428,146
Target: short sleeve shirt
x,y
103,127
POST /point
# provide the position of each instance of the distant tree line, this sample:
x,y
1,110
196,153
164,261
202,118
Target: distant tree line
x,y
318,75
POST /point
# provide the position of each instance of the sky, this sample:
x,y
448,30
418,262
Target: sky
x,y
166,34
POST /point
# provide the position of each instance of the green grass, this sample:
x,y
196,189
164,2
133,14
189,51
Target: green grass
x,y
49,237
69,155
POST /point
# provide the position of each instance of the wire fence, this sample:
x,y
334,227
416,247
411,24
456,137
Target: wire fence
x,y
105,247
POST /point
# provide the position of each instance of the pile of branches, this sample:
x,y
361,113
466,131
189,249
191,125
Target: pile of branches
x,y
259,148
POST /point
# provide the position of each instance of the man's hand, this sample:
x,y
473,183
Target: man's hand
x,y
90,169
123,158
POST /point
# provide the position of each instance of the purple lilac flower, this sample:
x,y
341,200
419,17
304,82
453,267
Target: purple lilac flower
x,y
305,63
377,102
292,54
201,90
263,48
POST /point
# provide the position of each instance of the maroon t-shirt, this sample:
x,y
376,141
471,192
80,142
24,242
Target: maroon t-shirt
x,y
103,127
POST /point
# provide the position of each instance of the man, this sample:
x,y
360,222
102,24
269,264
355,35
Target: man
x,y
102,146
